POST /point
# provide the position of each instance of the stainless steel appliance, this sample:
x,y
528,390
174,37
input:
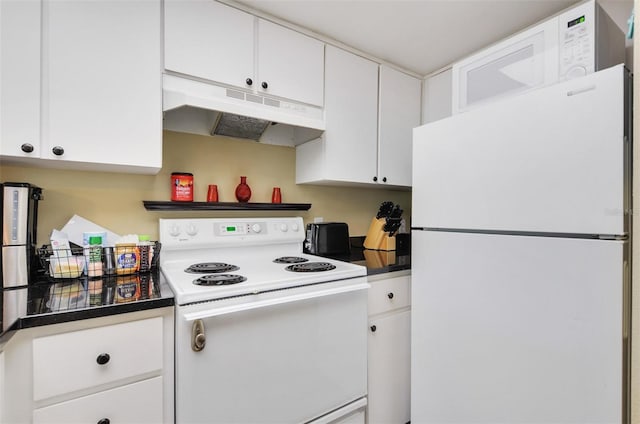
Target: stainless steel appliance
x,y
520,306
264,333
19,226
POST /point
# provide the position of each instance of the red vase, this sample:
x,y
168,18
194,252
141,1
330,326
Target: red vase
x,y
243,191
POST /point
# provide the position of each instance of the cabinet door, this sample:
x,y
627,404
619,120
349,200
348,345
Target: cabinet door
x,y
19,77
290,64
351,113
134,403
389,369
102,101
206,39
399,114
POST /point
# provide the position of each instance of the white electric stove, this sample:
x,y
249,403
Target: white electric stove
x,y
264,333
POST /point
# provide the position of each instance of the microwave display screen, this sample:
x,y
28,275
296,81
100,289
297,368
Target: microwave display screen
x,y
575,21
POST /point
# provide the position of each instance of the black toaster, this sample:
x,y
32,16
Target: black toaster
x,y
327,239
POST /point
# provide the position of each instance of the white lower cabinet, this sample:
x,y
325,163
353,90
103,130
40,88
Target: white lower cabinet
x,y
134,403
389,358
116,369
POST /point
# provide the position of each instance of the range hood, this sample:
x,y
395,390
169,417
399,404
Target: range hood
x,y
204,108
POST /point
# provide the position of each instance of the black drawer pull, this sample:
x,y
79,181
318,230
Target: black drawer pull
x,y
390,295
104,421
373,328
27,148
103,358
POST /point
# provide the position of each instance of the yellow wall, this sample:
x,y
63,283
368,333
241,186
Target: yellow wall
x,y
114,200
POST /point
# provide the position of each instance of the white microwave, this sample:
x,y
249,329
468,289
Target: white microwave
x,y
576,42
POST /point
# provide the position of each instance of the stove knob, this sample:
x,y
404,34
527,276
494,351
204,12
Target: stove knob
x,y
284,228
295,228
174,230
256,228
192,230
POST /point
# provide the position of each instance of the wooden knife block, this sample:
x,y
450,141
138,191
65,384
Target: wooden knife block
x,y
377,239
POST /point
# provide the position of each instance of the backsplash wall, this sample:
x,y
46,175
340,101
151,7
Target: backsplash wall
x,y
114,200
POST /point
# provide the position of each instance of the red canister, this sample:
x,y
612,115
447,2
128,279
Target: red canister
x,y
181,187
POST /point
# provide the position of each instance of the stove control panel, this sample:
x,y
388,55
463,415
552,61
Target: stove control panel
x,y
182,233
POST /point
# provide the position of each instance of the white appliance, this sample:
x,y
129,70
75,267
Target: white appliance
x,y
574,43
255,341
520,244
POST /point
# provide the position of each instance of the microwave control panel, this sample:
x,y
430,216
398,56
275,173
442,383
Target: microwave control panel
x,y
576,42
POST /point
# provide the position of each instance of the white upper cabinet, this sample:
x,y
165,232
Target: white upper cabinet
x,y
347,151
20,78
103,100
81,85
212,41
370,113
290,64
399,114
209,40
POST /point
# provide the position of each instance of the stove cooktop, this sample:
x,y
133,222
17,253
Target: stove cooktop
x,y
257,250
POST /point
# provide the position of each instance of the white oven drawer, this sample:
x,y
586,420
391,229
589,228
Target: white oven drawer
x,y
292,355
81,359
138,403
389,294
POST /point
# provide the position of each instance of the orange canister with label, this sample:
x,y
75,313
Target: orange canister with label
x,y
181,187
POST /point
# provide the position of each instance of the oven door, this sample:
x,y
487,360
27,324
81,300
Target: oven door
x,y
286,356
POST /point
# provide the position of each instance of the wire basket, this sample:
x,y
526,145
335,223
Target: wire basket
x,y
119,260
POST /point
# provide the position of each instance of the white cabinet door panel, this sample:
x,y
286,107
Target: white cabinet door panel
x,y
103,98
209,40
390,369
291,64
139,403
19,77
551,160
399,115
351,113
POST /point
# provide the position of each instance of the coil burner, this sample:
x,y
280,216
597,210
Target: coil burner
x,y
290,260
219,280
311,267
210,267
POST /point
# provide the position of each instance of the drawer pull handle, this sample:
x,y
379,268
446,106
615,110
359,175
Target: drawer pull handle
x,y
102,359
373,328
390,295
104,421
58,151
27,148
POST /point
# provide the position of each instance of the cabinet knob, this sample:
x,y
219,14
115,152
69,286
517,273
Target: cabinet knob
x,y
27,148
375,179
103,358
373,328
58,151
390,295
249,81
104,421
265,85
384,179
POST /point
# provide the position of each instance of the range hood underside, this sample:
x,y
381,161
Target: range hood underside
x,y
201,108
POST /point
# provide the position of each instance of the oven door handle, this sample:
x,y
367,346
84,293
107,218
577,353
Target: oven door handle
x,y
213,312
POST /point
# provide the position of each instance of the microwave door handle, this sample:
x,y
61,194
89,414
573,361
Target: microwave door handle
x,y
225,310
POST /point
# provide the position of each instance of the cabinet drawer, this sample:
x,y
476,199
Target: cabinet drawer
x,y
134,403
389,294
81,359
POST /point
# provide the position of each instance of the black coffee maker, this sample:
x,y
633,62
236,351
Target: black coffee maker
x,y
19,238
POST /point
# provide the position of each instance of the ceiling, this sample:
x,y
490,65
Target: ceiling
x,y
421,36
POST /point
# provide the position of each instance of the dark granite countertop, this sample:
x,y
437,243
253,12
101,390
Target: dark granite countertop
x,y
51,301
380,261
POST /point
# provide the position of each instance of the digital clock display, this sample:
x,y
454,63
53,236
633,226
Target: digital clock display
x,y
231,229
575,21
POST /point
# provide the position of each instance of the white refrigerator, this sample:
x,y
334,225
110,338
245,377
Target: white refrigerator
x,y
520,259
